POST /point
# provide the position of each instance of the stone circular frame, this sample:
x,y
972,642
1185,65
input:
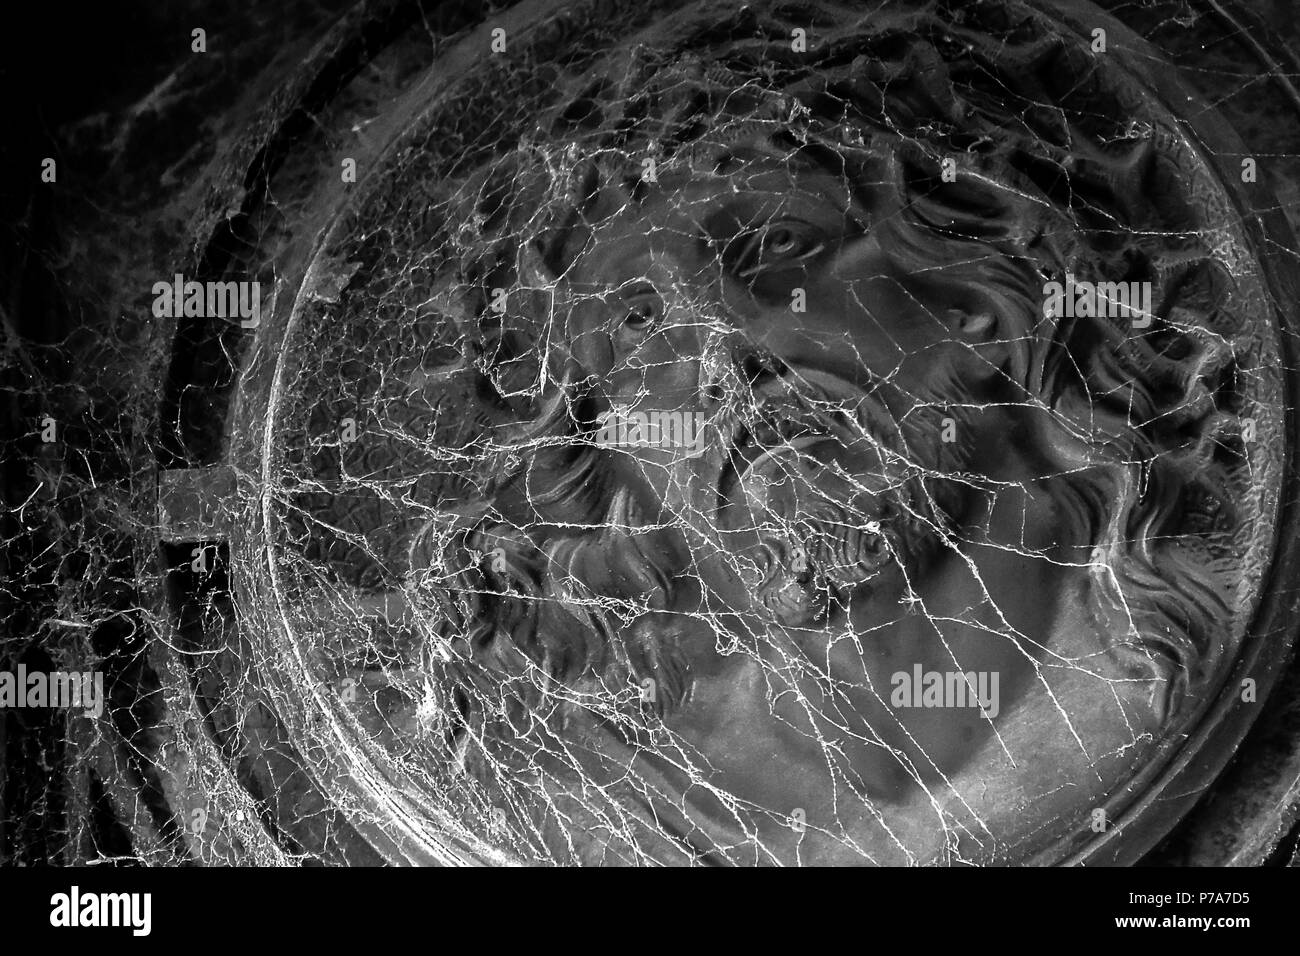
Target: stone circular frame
x,y
322,316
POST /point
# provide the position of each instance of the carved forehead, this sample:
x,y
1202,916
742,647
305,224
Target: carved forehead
x,y
716,196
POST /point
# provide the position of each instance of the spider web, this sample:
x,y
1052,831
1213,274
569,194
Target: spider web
x,y
672,455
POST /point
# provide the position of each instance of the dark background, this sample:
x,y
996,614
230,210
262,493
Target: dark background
x,y
114,93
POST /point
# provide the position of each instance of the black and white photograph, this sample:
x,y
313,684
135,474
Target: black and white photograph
x,y
827,434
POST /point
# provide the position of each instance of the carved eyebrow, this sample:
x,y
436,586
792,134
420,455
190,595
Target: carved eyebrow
x,y
810,161
746,211
803,194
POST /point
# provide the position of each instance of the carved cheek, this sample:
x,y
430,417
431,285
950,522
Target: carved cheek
x,y
668,364
986,359
590,340
883,322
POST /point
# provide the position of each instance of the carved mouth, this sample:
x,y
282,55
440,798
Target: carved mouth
x,y
816,474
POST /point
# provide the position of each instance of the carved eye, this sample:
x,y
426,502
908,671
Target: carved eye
x,y
780,241
644,309
776,245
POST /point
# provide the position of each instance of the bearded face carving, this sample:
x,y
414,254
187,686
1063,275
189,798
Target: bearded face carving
x,y
901,561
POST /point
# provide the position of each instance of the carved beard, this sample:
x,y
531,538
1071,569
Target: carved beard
x,y
837,499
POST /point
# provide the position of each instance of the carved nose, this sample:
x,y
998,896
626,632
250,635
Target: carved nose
x,y
777,341
736,364
759,366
